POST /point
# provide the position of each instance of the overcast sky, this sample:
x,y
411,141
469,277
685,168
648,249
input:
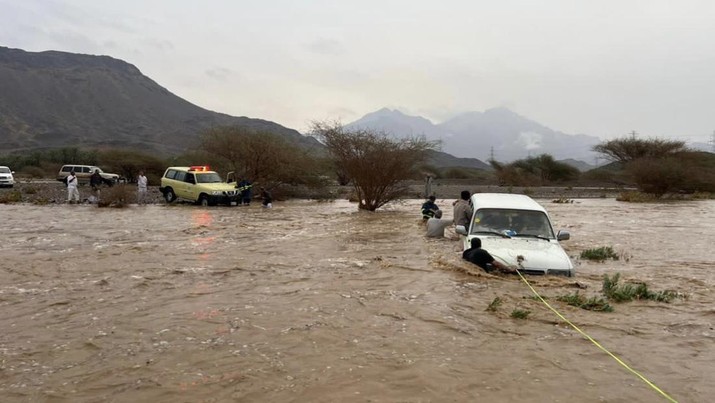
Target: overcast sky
x,y
602,68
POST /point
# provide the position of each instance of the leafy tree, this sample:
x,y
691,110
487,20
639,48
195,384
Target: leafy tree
x,y
376,164
630,149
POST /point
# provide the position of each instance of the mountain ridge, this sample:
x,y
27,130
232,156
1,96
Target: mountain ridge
x,y
476,134
55,99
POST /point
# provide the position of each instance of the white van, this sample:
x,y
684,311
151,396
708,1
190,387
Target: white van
x,y
517,231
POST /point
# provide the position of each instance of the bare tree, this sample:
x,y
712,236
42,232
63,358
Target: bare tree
x,y
376,164
631,148
258,155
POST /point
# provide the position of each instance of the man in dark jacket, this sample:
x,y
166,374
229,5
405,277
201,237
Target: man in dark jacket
x,y
244,186
483,259
429,208
95,181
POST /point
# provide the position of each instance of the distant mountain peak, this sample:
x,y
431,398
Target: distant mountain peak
x,y
475,134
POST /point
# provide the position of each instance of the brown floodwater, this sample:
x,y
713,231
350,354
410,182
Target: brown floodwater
x,y
321,302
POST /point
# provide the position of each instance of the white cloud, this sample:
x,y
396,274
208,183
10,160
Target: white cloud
x,y
600,68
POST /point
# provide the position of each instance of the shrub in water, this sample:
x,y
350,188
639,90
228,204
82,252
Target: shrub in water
x,y
591,304
628,292
520,313
495,304
599,254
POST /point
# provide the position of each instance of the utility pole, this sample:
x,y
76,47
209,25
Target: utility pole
x,y
633,134
491,153
712,142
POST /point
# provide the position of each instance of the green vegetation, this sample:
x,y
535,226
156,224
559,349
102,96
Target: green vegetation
x,y
637,197
126,163
541,170
520,313
628,292
629,149
600,254
464,173
13,196
591,304
495,304
659,167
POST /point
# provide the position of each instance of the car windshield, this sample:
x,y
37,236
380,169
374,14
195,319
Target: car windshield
x,y
4,170
527,223
209,177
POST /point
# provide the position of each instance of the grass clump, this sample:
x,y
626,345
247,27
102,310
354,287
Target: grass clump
x,y
10,197
562,200
628,292
520,313
116,196
589,304
600,254
637,197
703,196
495,304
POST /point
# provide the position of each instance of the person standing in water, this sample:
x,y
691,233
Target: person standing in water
x,y
141,188
267,199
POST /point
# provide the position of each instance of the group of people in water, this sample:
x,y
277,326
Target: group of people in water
x,y
462,215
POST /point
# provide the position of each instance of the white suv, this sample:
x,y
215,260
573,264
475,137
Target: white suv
x,y
517,231
6,178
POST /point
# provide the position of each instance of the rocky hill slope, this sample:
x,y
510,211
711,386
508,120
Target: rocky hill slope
x,y
58,99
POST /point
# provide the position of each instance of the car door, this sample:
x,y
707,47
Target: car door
x,y
191,192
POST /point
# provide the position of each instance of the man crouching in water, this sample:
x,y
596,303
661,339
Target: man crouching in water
x,y
483,259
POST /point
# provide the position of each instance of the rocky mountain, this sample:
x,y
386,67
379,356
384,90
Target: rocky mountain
x,y
477,134
57,99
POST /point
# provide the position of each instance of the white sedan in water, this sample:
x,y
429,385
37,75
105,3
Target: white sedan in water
x,y
517,231
6,178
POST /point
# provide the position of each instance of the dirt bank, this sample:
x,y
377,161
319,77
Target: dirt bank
x,y
53,192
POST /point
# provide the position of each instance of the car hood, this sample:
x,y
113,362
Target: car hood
x,y
223,187
539,254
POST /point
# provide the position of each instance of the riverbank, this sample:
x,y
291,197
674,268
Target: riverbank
x,y
52,192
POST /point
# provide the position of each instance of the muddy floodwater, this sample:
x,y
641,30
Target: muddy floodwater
x,y
319,302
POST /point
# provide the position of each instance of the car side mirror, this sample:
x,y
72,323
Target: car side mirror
x,y
460,229
563,235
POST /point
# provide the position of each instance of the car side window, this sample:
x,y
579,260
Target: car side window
x,y
85,170
66,168
170,174
180,176
190,178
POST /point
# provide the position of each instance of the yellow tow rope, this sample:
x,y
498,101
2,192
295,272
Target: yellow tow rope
x,y
618,360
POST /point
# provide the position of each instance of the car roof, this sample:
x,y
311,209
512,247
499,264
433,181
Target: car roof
x,y
189,168
505,201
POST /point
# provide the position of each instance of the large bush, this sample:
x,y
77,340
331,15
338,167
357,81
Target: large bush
x,y
539,170
686,172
